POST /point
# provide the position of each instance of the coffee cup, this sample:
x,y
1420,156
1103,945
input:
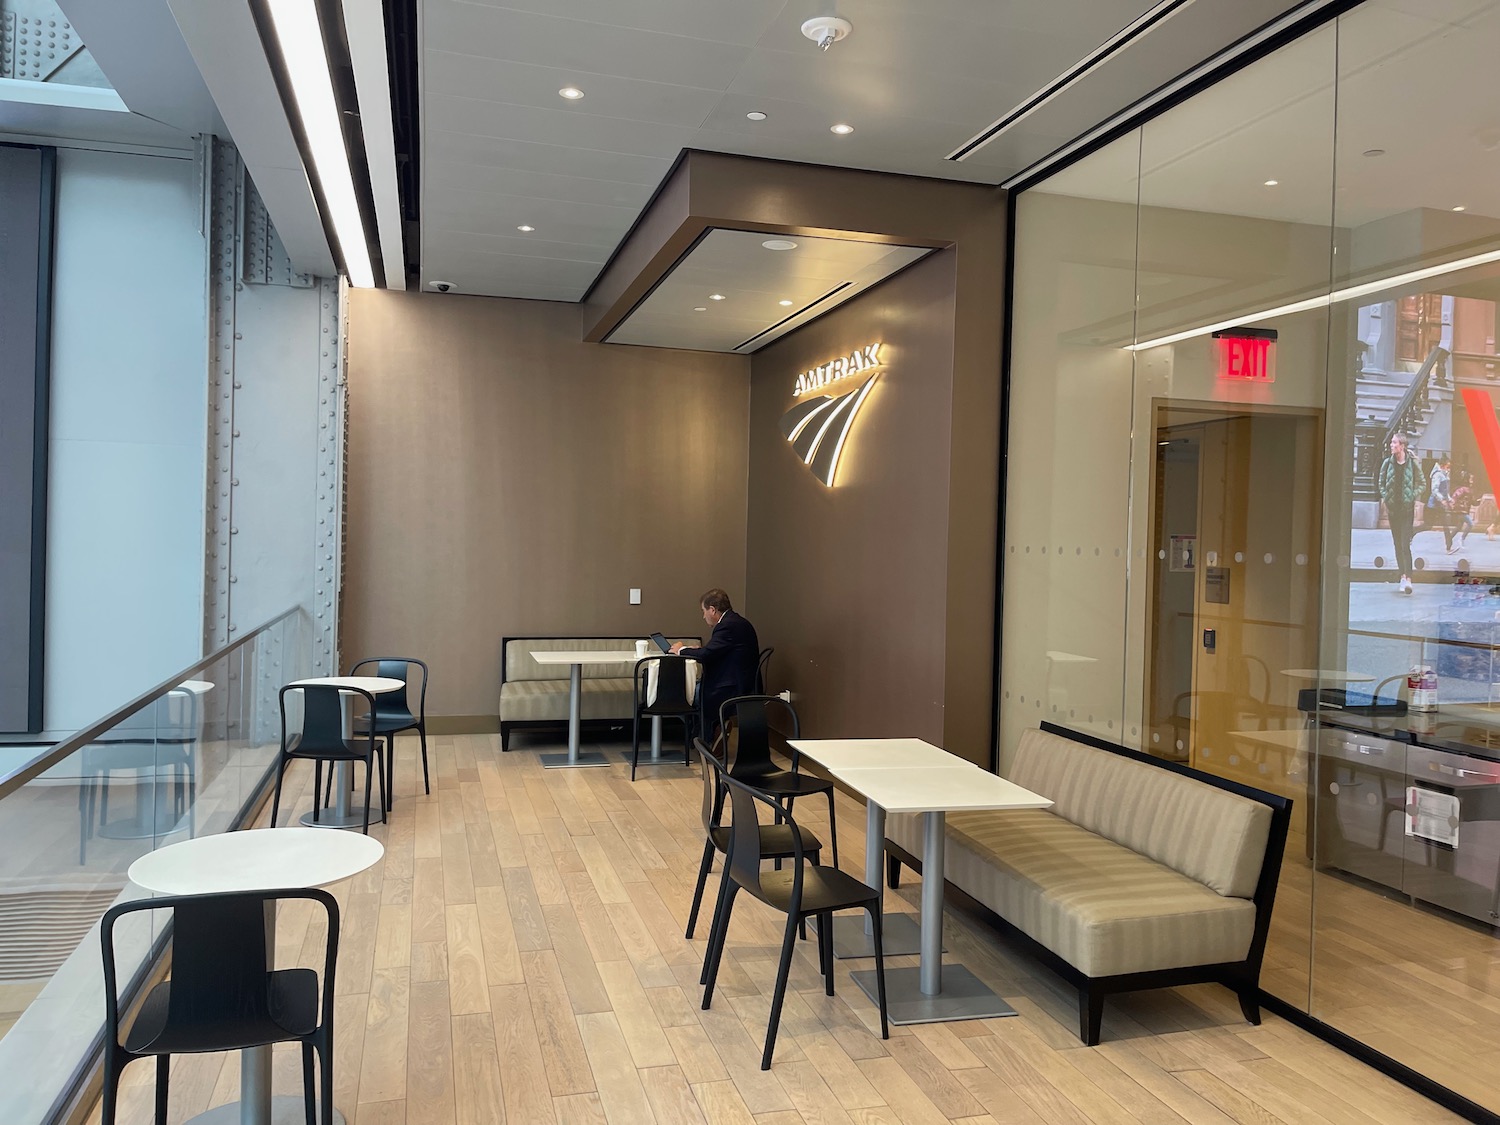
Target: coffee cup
x,y
641,647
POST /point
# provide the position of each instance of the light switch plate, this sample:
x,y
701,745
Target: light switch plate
x,y
635,595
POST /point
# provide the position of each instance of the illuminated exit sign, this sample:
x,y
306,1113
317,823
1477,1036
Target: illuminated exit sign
x,y
1247,354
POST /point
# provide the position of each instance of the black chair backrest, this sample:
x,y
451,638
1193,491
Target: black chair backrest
x,y
760,670
323,722
671,680
713,792
749,716
397,668
218,957
744,857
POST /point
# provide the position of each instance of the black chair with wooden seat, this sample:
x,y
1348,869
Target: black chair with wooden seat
x,y
761,666
222,996
394,713
802,891
776,839
322,740
748,719
669,702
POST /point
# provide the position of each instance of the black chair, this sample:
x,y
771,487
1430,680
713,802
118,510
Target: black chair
x,y
804,891
776,839
322,739
222,996
748,717
760,670
671,701
393,713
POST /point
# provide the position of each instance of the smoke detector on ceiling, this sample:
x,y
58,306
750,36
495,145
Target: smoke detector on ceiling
x,y
825,31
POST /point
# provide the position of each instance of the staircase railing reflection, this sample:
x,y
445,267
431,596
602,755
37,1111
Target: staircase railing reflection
x,y
193,756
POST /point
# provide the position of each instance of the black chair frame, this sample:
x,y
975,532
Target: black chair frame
x,y
671,702
775,840
746,716
208,1006
803,892
322,740
399,702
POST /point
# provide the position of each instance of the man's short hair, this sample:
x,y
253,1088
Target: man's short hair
x,y
716,599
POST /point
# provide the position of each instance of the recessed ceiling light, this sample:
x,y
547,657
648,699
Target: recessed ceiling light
x,y
701,308
756,115
783,304
1460,208
779,244
716,296
1272,183
527,227
1374,152
841,129
572,93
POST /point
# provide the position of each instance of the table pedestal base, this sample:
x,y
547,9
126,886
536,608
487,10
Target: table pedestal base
x,y
964,996
900,934
285,1110
560,760
354,817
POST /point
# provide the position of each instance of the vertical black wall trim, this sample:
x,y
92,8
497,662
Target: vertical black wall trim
x,y
47,218
1007,308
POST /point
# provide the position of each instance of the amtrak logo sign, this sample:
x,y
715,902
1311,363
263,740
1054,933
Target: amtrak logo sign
x,y
818,426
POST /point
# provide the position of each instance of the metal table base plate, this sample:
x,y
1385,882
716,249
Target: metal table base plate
x,y
964,996
901,935
331,818
285,1110
560,760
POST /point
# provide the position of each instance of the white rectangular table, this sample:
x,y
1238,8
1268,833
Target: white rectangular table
x,y
576,660
929,994
901,936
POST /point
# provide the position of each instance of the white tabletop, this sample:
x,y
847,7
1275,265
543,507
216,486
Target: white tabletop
x,y
1327,675
1070,657
260,859
622,656
197,687
372,684
877,753
924,789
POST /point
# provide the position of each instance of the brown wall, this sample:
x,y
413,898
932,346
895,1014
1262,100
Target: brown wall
x,y
850,583
507,479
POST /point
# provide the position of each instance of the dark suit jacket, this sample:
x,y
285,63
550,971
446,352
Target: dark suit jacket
x,y
729,659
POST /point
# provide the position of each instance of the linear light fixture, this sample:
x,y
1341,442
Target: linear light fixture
x,y
1350,293
364,25
300,39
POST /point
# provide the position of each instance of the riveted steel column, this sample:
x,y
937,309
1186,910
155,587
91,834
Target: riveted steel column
x,y
221,167
332,420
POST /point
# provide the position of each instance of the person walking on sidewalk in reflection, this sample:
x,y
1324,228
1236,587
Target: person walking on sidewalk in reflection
x,y
1400,487
1463,507
1440,503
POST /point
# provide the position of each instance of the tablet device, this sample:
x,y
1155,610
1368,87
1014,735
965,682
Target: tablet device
x,y
662,642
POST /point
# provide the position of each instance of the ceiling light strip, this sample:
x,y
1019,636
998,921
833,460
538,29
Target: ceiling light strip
x,y
300,40
1142,25
793,316
364,24
1220,61
1350,293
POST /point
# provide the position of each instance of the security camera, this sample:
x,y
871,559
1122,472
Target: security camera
x,y
443,286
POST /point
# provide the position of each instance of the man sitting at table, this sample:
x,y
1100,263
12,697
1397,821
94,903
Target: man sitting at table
x,y
728,659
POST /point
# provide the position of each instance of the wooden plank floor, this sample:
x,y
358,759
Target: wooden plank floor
x,y
518,957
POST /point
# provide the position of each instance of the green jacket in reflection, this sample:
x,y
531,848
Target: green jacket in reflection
x,y
1400,482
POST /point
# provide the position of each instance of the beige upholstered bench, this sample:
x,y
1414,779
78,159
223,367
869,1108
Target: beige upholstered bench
x,y
536,695
1143,874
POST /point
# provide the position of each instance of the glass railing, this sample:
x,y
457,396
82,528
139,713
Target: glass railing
x,y
192,757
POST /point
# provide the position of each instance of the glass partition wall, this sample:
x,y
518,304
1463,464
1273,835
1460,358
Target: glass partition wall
x,y
1250,514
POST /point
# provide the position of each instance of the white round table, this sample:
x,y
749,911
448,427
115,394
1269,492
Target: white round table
x,y
344,814
260,859
1327,675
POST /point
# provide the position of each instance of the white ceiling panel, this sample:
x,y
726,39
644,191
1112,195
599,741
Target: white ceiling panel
x,y
742,22
915,81
764,293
